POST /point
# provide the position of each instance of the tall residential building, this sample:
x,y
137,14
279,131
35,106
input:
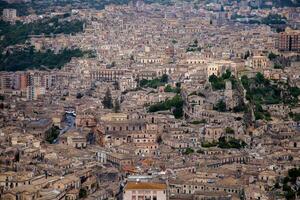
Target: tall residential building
x,y
34,79
6,80
9,14
33,92
23,81
289,40
15,81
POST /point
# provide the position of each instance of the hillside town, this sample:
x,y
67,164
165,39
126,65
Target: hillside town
x,y
182,101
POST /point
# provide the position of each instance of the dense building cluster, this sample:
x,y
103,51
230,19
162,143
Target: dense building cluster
x,y
181,101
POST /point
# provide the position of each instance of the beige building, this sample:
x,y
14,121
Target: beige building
x,y
212,69
145,191
74,139
258,62
110,117
9,15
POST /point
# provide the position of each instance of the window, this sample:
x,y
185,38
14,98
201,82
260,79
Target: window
x,y
154,198
140,197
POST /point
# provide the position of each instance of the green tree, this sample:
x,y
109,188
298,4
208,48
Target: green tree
x,y
107,100
247,54
196,42
28,58
168,88
209,144
159,139
117,106
216,82
188,151
260,79
229,130
176,103
227,74
52,134
245,82
19,32
164,78
113,64
154,83
272,56
200,151
274,19
17,157
231,143
82,193
220,106
79,95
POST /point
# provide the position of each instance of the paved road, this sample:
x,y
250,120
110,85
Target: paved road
x,y
69,122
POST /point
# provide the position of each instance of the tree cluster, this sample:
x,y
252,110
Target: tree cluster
x,y
154,83
108,102
30,58
226,143
218,83
193,47
176,89
176,103
220,106
188,151
18,33
289,184
261,91
52,134
273,19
